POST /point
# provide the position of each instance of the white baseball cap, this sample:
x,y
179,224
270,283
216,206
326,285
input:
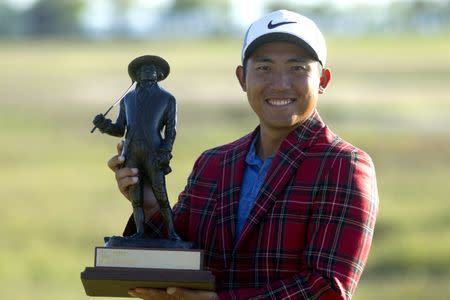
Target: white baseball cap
x,y
284,25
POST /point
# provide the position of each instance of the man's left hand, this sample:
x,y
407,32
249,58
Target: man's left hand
x,y
172,293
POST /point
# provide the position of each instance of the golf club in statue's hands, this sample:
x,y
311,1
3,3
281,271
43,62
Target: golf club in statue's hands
x,y
114,104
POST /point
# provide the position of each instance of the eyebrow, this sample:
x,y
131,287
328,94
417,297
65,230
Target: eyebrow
x,y
262,59
299,59
290,60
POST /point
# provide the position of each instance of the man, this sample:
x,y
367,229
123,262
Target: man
x,y
144,113
287,211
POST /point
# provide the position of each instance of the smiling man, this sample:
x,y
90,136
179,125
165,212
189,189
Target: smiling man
x,y
287,211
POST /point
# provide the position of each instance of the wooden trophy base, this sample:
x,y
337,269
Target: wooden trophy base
x,y
115,282
127,263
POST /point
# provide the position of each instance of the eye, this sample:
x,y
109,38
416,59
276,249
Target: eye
x,y
299,68
263,68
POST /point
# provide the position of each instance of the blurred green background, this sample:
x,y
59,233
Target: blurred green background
x,y
389,95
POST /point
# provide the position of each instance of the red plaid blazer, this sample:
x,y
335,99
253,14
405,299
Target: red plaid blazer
x,y
309,232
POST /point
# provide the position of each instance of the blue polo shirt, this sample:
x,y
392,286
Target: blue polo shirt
x,y
254,174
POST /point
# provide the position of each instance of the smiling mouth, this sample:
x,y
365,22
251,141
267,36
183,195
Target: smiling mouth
x,y
280,102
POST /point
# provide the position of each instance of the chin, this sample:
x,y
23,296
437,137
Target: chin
x,y
280,125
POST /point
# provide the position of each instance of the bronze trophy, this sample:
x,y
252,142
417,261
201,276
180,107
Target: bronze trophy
x,y
138,261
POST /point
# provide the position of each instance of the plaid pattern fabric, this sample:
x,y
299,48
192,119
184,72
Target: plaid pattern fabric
x,y
309,232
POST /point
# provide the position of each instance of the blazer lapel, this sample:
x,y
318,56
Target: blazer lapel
x,y
284,165
228,192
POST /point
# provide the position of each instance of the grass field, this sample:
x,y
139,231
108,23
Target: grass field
x,y
389,96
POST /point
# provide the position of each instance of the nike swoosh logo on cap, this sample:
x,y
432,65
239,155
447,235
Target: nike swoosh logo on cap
x,y
272,26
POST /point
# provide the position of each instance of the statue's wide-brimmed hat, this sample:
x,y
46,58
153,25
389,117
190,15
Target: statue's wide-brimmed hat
x,y
136,63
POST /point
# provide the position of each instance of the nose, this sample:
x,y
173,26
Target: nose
x,y
281,80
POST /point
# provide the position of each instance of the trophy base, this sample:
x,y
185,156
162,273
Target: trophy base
x,y
130,242
127,263
115,282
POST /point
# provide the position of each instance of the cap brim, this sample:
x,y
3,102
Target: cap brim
x,y
279,37
136,63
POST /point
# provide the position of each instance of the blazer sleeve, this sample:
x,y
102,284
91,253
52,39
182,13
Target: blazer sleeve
x,y
338,239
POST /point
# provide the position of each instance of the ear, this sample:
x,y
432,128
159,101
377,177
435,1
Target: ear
x,y
241,77
324,80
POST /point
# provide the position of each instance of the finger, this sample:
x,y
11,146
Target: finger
x,y
115,162
126,172
119,147
187,294
132,293
149,293
125,183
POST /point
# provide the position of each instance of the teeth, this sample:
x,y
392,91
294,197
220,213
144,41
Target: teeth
x,y
279,102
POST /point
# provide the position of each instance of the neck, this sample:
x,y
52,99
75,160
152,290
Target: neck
x,y
145,84
270,141
146,81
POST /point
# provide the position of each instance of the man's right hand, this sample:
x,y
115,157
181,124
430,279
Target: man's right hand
x,y
126,177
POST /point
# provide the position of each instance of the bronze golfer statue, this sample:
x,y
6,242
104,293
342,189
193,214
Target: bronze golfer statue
x,y
147,118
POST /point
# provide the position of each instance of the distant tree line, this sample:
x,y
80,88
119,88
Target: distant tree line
x,y
53,18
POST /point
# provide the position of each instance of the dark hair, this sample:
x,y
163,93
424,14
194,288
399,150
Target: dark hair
x,y
244,66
